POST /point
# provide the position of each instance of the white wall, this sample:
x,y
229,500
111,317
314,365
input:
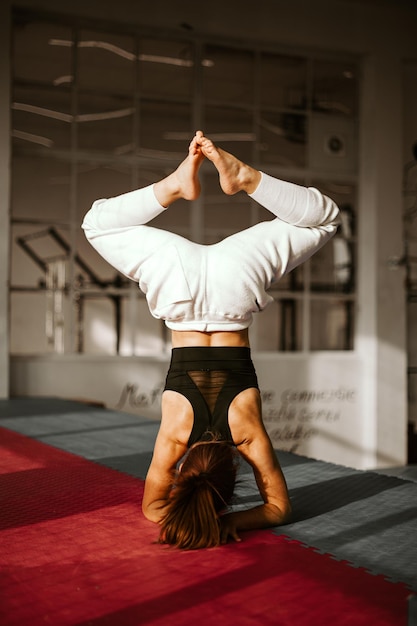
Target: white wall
x,y
384,35
312,406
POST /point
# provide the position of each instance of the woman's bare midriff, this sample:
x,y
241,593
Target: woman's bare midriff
x,y
185,338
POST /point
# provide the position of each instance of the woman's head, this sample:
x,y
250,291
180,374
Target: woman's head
x,y
203,488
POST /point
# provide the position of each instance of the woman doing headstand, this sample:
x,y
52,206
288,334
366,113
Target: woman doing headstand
x,y
211,408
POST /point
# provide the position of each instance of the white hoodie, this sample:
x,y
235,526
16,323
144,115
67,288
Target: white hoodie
x,y
219,286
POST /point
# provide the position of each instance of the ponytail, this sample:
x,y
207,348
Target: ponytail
x,y
203,488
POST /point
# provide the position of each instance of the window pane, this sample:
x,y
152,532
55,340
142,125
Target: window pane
x,y
97,181
41,118
294,281
105,123
42,52
283,81
166,68
223,214
28,338
333,268
228,75
283,139
232,129
99,323
141,333
176,220
40,189
290,324
106,63
165,129
335,87
96,114
331,325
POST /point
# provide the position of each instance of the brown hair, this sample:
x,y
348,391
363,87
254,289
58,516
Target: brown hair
x,y
203,488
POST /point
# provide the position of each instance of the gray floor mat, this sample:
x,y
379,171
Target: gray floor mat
x,y
365,518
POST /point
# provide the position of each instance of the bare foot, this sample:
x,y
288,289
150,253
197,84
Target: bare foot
x,y
183,182
234,175
187,171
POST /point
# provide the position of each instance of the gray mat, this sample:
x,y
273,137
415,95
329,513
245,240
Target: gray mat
x,y
365,518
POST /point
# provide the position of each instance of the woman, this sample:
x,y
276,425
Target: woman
x,y
211,408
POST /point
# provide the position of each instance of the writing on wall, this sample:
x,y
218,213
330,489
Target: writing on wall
x,y
296,416
134,397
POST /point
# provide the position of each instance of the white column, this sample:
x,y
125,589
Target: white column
x,y
381,299
4,194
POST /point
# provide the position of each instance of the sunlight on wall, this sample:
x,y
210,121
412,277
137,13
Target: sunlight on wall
x,y
102,335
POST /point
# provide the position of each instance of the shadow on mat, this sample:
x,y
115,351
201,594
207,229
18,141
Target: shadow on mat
x,y
329,495
135,465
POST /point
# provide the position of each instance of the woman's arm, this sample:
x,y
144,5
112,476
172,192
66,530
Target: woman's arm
x,y
256,448
170,447
160,476
276,509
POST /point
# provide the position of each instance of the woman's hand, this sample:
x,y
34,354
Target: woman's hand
x,y
228,528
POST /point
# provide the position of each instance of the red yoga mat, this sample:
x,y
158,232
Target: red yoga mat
x,y
75,549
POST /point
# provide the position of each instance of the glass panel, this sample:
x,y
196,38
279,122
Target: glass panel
x,y
331,325
36,250
166,68
106,63
176,220
40,311
99,324
141,333
335,87
40,189
232,129
223,214
27,264
294,281
333,268
105,124
134,110
283,139
98,181
324,276
228,75
118,323
165,131
27,332
283,81
42,52
344,194
289,324
279,326
41,118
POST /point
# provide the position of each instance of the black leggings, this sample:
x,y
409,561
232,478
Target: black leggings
x,y
210,378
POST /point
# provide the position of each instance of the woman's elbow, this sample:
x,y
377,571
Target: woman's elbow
x,y
283,512
286,513
152,513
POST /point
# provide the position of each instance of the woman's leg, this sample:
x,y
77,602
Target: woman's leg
x,y
184,182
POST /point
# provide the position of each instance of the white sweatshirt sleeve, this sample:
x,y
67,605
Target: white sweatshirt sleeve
x,y
129,209
115,227
305,220
297,205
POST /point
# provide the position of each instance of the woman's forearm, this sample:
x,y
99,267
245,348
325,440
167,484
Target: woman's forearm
x,y
262,516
